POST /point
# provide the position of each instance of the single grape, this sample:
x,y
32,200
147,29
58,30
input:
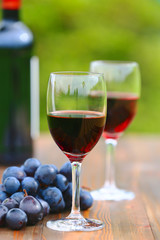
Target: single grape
x,y
10,203
33,208
31,165
18,196
45,174
3,212
3,196
67,195
66,170
30,185
86,200
11,185
45,205
13,171
54,198
16,218
61,182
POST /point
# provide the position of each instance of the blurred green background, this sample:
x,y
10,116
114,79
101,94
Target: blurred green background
x,y
71,33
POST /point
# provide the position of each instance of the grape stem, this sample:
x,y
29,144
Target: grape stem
x,y
25,193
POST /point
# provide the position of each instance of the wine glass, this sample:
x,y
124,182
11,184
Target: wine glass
x,y
123,91
76,123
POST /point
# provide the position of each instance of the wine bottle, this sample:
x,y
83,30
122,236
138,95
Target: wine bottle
x,y
16,41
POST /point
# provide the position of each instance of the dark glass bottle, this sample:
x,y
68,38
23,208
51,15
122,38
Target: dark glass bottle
x,y
16,42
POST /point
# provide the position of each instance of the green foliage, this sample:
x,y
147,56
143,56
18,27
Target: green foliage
x,y
69,34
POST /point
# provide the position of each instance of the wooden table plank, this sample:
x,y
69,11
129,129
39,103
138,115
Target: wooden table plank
x,y
138,169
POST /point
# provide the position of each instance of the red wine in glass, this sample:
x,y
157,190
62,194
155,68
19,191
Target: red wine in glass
x,y
76,132
121,109
123,83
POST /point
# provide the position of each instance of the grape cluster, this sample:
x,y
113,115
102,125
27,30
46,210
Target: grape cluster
x,y
32,191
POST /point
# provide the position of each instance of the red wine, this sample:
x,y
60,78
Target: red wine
x,y
16,42
121,109
76,132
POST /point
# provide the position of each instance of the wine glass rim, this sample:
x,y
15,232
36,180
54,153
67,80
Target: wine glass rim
x,y
77,73
118,62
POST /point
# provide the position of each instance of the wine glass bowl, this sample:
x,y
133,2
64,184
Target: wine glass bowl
x,y
123,91
76,124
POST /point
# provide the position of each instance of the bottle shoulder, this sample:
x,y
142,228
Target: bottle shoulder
x,y
15,34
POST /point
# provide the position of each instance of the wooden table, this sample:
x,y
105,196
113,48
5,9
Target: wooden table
x,y
137,169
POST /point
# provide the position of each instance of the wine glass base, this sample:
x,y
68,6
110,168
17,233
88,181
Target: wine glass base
x,y
112,193
69,225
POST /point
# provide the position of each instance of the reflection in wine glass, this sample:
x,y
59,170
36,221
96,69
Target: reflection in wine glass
x,y
76,125
123,91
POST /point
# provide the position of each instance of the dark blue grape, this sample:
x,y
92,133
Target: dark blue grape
x,y
45,174
45,205
16,172
61,182
54,198
30,185
33,208
3,196
31,165
86,200
10,203
11,185
16,218
18,196
66,170
3,212
67,195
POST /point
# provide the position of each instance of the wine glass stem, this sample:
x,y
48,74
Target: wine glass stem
x,y
75,212
110,163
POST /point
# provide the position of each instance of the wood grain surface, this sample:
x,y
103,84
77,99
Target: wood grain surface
x,y
137,169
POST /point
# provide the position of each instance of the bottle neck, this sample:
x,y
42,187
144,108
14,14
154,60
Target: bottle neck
x,y
10,9
8,14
